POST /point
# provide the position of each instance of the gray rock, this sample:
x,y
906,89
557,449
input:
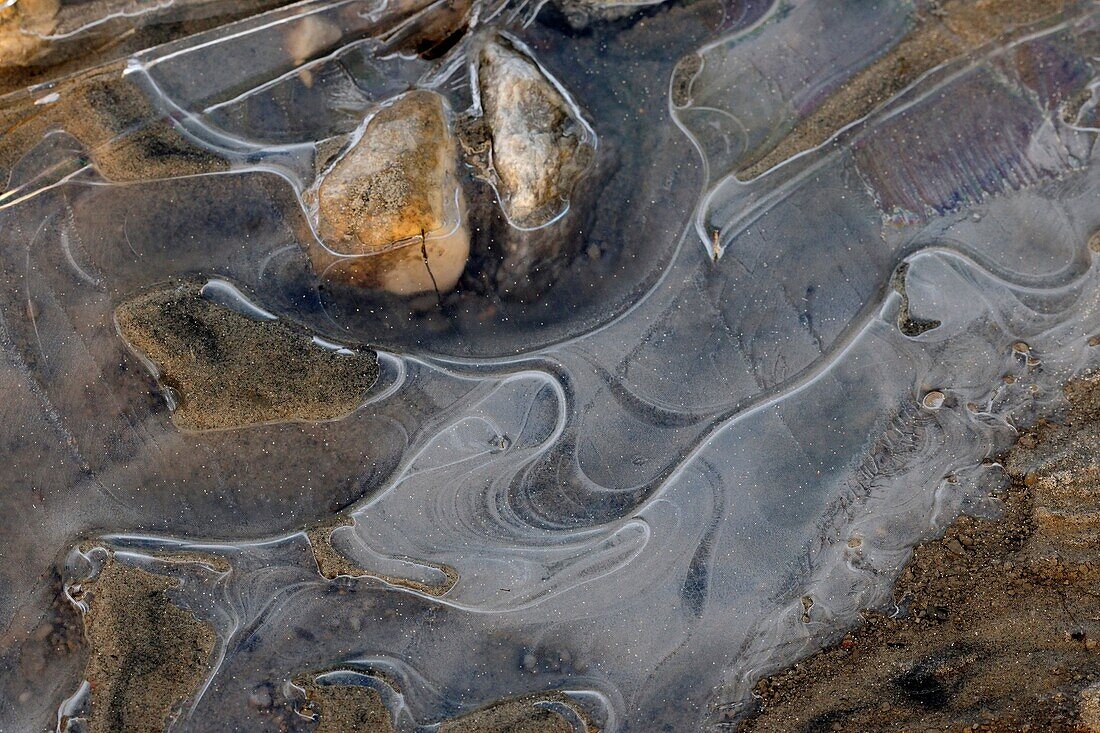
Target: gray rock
x,y
540,146
533,145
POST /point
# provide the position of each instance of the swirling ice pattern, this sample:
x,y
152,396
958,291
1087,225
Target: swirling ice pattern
x,y
639,495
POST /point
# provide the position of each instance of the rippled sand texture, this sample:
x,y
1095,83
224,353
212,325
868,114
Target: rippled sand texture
x,y
621,433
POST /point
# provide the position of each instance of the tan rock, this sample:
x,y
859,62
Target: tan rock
x,y
23,27
390,211
540,145
305,38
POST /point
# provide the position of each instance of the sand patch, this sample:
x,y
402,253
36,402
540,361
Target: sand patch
x,y
229,370
148,655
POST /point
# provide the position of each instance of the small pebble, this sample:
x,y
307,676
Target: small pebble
x,y
953,545
933,400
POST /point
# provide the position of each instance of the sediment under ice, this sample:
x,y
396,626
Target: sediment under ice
x,y
693,459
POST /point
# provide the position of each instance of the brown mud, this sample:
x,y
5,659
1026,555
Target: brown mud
x,y
999,628
347,708
943,31
332,563
49,653
111,30
126,139
520,715
229,370
432,33
148,655
908,325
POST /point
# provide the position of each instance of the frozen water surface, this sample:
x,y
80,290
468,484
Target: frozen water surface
x,y
753,384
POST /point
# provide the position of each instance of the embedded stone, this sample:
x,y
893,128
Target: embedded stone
x,y
389,212
541,147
